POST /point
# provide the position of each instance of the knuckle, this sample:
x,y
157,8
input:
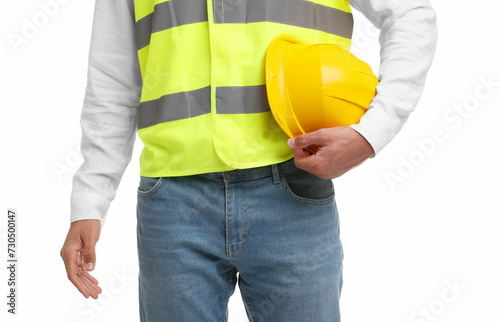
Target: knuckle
x,y
89,254
320,132
64,253
300,140
323,135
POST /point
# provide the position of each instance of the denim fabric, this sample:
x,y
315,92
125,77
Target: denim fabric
x,y
274,230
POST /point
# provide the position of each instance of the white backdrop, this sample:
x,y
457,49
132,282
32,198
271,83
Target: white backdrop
x,y
418,222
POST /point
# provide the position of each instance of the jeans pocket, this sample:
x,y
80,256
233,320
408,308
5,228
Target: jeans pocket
x,y
148,185
303,186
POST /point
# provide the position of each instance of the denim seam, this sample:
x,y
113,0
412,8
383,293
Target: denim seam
x,y
245,209
249,303
231,250
152,190
227,198
234,249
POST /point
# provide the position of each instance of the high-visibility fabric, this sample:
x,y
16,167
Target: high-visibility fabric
x,y
203,105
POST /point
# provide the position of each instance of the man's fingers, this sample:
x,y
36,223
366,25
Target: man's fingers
x,y
90,280
81,279
92,288
72,270
90,277
305,161
300,153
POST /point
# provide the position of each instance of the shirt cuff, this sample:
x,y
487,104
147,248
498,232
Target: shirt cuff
x,y
378,128
88,204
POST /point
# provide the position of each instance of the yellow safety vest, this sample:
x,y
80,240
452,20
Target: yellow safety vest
x,y
203,105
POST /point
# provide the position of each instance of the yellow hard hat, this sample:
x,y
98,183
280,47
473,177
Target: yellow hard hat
x,y
314,86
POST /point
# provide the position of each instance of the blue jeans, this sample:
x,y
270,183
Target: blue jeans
x,y
274,230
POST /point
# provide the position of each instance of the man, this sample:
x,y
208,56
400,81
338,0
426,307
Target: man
x,y
223,196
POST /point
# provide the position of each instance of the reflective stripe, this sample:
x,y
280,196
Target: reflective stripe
x,y
298,13
183,105
170,14
242,99
174,107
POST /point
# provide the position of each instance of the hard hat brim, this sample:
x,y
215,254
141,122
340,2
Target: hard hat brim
x,y
277,91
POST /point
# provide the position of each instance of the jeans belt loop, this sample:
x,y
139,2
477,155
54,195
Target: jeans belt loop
x,y
276,174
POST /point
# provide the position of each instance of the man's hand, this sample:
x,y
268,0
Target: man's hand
x,y
78,254
340,149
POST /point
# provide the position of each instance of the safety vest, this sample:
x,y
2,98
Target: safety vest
x,y
203,105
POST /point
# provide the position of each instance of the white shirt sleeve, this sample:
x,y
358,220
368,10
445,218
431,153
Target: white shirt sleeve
x,y
408,37
109,112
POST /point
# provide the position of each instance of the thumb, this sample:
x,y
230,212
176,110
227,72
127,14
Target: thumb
x,y
304,140
88,253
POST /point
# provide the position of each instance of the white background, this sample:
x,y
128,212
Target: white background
x,y
427,242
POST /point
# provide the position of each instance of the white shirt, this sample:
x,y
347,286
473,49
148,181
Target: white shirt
x,y
408,39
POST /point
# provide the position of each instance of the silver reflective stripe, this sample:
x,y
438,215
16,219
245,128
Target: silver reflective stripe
x,y
174,107
170,14
183,105
242,99
299,13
